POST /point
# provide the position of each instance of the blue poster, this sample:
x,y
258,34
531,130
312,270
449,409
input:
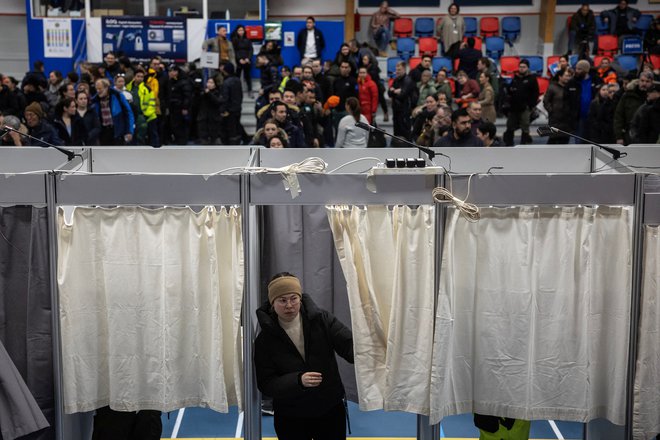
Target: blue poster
x,y
142,38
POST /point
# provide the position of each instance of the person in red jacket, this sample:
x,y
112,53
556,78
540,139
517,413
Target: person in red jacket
x,y
368,93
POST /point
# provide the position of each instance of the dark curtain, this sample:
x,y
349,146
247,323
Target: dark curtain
x,y
25,303
298,239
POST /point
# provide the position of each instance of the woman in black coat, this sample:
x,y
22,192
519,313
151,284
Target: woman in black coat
x,y
296,365
209,117
69,125
244,51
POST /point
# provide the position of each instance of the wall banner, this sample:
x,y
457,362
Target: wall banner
x,y
57,38
141,38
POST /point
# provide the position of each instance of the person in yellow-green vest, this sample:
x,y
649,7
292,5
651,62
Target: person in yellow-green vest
x,y
501,428
146,121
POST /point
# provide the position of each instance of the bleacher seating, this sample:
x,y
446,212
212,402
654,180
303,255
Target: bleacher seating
x,y
414,62
535,63
632,45
428,46
478,42
552,59
470,26
494,47
391,65
602,28
543,83
509,66
511,28
573,59
424,27
608,45
598,59
405,47
403,27
627,62
644,23
489,27
439,63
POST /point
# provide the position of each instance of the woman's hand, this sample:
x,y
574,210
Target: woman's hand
x,y
311,379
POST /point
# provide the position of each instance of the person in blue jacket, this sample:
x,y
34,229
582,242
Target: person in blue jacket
x,y
114,113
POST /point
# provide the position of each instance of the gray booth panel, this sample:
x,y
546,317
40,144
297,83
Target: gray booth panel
x,y
652,209
642,158
554,189
147,190
172,160
322,189
528,160
24,189
26,159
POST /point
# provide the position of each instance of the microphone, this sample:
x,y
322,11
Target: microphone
x,y
69,154
546,130
430,153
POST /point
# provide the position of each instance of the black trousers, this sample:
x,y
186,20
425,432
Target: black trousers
x,y
119,425
401,125
247,74
329,426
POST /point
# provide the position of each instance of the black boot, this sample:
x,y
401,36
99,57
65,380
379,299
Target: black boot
x,y
508,138
526,139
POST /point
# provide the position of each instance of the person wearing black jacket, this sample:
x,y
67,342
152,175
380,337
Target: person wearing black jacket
x,y
69,125
402,92
310,42
296,365
43,134
522,98
644,128
582,28
244,51
601,116
232,103
179,104
208,117
562,101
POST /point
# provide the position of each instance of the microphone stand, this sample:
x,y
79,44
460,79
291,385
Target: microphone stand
x,y
69,154
616,154
430,153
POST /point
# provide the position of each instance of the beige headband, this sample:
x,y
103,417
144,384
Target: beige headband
x,y
283,286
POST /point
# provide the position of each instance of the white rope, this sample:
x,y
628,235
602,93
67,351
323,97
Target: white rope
x,y
468,210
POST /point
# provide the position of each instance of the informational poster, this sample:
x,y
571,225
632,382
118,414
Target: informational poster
x,y
57,38
141,38
289,39
273,31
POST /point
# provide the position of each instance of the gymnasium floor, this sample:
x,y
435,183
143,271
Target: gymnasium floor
x,y
204,424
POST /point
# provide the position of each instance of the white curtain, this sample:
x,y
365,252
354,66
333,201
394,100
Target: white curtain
x,y
646,415
150,303
533,314
387,256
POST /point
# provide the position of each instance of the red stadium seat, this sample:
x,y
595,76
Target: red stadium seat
x,y
428,46
598,59
452,86
254,32
403,27
478,42
414,62
509,66
489,27
655,60
608,45
551,60
543,83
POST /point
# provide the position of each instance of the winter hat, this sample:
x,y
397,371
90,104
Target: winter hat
x,y
283,286
228,68
332,102
35,108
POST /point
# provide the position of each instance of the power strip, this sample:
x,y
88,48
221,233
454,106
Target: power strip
x,y
381,170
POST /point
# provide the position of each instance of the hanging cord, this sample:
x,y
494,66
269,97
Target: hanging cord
x,y
468,210
314,165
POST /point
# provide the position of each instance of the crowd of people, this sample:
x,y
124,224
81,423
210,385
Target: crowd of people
x,y
318,102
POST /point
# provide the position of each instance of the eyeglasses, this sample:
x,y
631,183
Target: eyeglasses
x,y
294,300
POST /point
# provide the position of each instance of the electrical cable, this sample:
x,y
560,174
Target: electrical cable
x,y
353,161
469,211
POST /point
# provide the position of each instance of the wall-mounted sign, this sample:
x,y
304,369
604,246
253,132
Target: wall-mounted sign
x,y
57,38
142,38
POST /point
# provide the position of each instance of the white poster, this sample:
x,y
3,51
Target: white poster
x,y
289,39
58,38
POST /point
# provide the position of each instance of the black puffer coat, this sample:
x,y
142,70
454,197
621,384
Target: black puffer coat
x,y
279,364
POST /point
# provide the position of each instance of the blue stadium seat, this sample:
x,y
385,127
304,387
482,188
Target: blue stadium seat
x,y
535,63
424,27
470,26
602,28
405,48
572,60
391,66
494,47
644,23
627,62
510,28
632,45
442,62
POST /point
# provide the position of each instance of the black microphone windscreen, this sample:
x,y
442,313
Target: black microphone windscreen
x,y
362,125
544,130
